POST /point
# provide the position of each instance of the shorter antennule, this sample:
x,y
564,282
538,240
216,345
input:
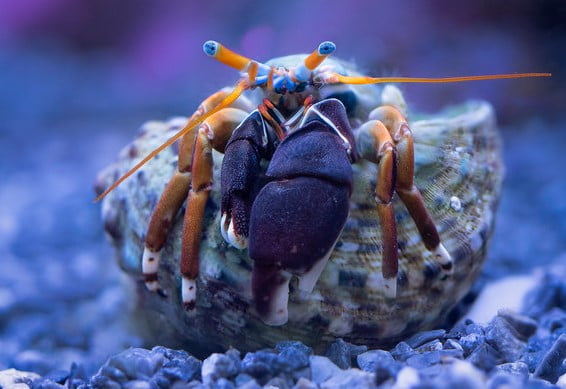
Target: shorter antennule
x,y
303,72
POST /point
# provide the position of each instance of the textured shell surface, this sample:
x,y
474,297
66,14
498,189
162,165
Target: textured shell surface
x,y
459,172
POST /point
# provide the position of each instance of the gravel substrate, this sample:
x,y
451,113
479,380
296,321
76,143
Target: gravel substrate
x,y
513,350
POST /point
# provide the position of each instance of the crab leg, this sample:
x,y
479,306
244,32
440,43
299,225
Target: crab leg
x,y
405,186
375,144
212,134
178,187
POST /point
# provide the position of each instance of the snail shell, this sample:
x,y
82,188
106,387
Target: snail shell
x,y
459,172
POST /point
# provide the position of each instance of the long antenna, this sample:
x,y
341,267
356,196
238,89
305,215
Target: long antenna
x,y
335,78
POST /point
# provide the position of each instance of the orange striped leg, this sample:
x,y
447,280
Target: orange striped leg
x,y
176,192
214,133
375,144
405,187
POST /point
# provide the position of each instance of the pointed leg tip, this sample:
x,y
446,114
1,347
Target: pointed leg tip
x,y
443,258
277,318
189,293
390,287
152,286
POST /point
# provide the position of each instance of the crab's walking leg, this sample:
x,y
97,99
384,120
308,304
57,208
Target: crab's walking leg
x,y
177,189
405,186
375,144
214,133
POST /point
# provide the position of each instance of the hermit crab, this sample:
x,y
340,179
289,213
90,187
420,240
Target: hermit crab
x,y
319,180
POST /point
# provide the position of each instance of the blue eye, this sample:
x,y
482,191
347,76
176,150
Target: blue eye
x,y
326,48
210,48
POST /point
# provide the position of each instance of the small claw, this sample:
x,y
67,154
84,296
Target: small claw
x,y
390,287
150,266
443,258
229,234
189,293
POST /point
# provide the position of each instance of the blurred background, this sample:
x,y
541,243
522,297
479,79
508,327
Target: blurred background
x,y
78,77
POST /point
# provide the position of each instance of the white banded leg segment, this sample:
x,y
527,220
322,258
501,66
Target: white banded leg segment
x,y
189,293
308,280
390,287
150,266
279,314
443,258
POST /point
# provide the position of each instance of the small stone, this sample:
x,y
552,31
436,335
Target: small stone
x,y
460,374
484,357
402,352
561,383
554,319
292,355
223,383
369,360
58,376
423,337
277,383
519,369
322,369
304,383
261,365
137,384
452,344
474,328
407,378
548,294
15,379
250,385
343,353
218,366
44,383
553,364
470,342
351,378
501,336
502,380
242,378
434,345
424,360
457,331
537,383
524,326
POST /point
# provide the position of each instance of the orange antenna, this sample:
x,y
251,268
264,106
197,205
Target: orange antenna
x,y
335,78
192,124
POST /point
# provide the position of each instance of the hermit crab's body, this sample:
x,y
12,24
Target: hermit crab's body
x,y
318,179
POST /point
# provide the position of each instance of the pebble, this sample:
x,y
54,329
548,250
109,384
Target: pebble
x,y
524,326
407,378
293,355
343,353
351,378
553,365
421,338
484,357
500,335
402,352
304,383
322,369
470,342
261,365
16,379
219,366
